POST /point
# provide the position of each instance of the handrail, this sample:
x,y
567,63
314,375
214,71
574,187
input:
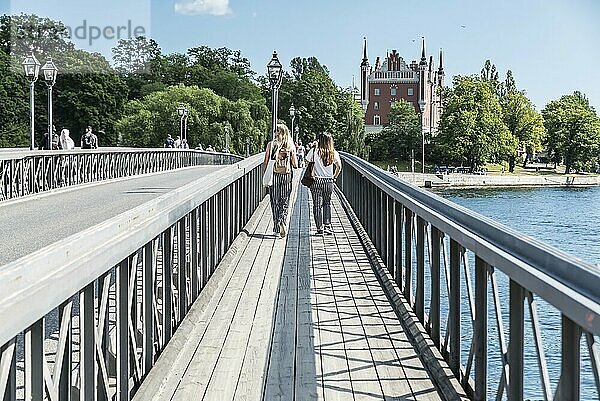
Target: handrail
x,y
28,172
525,259
415,231
166,248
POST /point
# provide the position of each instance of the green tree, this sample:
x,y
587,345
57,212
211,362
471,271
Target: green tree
x,y
400,137
523,122
14,106
134,56
147,121
471,129
573,131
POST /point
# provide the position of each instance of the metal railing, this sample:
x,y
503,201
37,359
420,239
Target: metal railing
x,y
426,241
29,172
87,317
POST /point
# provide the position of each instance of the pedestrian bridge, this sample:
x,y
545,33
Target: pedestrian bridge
x,y
188,295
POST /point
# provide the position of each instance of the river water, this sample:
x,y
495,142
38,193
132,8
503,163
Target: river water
x,y
567,218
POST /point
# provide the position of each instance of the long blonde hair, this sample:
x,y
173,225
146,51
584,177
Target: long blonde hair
x,y
283,137
326,149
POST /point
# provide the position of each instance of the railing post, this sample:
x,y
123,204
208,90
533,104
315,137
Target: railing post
x,y
408,223
122,330
390,238
194,254
87,336
570,371
398,236
454,309
480,329
420,290
182,265
434,309
167,284
10,391
34,354
515,345
204,262
147,307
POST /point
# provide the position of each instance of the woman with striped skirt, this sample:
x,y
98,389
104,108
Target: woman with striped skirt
x,y
283,151
326,169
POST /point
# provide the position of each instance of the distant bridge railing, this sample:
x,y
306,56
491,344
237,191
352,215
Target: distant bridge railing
x,y
29,172
425,241
91,314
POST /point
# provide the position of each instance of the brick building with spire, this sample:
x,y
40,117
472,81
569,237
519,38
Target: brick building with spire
x,y
394,79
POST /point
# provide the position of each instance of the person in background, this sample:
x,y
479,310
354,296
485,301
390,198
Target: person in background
x,y
328,166
65,142
210,148
184,144
169,142
177,143
89,140
300,152
54,142
283,151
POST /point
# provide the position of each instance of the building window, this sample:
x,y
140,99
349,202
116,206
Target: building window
x,y
376,92
375,105
376,120
393,91
410,92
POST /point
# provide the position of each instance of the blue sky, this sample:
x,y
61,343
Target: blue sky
x,y
552,46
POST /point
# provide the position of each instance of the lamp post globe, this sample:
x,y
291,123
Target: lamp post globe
x,y
31,68
275,75
49,72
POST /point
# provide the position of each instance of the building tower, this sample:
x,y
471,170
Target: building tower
x,y
364,78
441,73
422,83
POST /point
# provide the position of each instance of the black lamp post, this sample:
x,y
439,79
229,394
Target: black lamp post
x,y
293,117
227,139
275,74
182,111
31,67
422,107
50,72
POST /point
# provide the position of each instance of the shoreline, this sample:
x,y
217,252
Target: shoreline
x,y
456,180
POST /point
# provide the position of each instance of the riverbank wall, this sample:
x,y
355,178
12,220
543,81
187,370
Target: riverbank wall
x,y
475,181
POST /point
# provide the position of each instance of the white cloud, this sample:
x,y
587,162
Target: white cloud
x,y
198,7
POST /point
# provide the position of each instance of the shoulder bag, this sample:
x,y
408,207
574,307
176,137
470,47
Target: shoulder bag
x,y
307,178
268,175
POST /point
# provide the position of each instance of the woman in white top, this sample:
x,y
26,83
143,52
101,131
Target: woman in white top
x,y
65,141
283,151
326,169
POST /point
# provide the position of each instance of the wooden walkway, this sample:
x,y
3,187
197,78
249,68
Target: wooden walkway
x,y
302,318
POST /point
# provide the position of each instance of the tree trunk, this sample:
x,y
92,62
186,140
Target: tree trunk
x,y
511,164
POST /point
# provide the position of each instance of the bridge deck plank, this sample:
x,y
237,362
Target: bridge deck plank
x,y
301,318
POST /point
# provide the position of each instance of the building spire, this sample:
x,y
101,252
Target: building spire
x,y
423,57
365,60
441,68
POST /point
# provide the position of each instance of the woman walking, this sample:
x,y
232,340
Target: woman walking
x,y
326,169
283,151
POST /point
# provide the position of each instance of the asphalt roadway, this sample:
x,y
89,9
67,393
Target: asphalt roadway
x,y
32,223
